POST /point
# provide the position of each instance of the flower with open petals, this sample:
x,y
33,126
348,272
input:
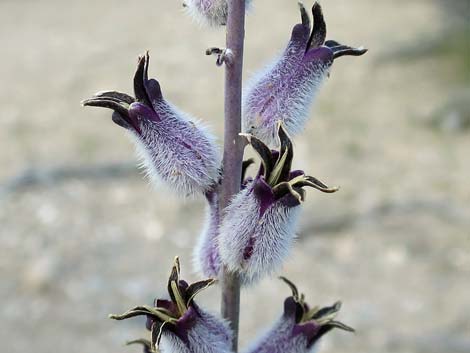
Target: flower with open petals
x,y
210,12
258,226
174,147
178,325
285,90
299,328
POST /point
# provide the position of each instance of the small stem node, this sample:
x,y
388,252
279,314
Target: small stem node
x,y
224,55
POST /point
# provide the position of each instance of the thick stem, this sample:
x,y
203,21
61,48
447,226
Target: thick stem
x,y
233,148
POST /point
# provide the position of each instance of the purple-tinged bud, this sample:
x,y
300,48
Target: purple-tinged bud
x,y
178,325
258,226
173,147
206,253
299,328
285,90
209,12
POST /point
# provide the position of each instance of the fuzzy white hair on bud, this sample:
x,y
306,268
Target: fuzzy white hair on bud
x,y
210,334
278,339
161,161
206,258
208,12
268,238
292,105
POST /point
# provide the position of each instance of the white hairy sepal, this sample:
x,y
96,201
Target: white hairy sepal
x,y
271,235
209,12
208,334
283,91
280,339
206,257
165,159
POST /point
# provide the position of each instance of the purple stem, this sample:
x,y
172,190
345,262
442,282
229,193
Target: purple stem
x,y
233,149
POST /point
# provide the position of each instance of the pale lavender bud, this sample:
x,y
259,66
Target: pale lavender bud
x,y
173,146
178,325
206,253
285,90
299,328
258,226
208,12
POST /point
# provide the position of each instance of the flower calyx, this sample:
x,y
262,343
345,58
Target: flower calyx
x,y
276,168
128,111
317,40
312,322
167,314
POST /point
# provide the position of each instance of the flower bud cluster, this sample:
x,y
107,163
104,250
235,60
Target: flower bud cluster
x,y
254,234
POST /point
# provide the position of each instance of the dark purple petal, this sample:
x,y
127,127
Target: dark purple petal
x,y
309,330
344,50
295,173
264,194
318,36
293,309
304,16
140,111
118,119
185,323
139,88
322,54
286,147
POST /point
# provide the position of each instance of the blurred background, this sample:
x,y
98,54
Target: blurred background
x,y
82,234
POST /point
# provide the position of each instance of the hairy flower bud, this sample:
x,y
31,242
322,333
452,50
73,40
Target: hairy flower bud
x,y
258,226
178,325
285,90
173,146
209,12
206,253
299,328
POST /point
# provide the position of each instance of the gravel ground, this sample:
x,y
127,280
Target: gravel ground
x,y
393,244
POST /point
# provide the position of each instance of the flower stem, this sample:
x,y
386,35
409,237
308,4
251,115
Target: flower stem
x,y
233,148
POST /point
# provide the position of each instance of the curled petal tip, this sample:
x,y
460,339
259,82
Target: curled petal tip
x,y
318,34
332,189
304,14
292,286
345,50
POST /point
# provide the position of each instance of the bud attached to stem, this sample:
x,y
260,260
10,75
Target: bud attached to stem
x,y
300,327
258,226
173,146
285,90
206,253
178,325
